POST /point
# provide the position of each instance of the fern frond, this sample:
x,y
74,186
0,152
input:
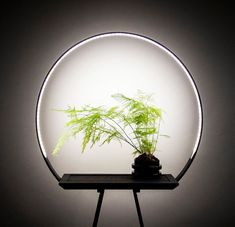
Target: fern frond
x,y
137,116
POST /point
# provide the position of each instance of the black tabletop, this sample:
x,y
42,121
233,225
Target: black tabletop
x,y
117,181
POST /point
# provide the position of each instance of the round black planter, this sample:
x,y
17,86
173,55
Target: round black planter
x,y
146,166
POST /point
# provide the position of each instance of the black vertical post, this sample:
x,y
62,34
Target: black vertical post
x,y
99,203
138,208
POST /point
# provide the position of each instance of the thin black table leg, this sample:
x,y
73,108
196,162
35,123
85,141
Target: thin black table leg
x,y
138,208
99,203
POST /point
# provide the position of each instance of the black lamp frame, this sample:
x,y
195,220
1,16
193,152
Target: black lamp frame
x,y
135,190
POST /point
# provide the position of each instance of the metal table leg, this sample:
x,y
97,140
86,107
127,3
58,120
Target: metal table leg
x,y
99,203
138,207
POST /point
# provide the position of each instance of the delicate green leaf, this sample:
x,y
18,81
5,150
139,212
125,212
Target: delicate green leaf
x,y
60,143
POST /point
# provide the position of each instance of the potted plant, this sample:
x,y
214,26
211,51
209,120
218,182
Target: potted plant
x,y
136,121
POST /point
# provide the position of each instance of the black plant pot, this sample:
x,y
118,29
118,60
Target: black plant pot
x,y
146,165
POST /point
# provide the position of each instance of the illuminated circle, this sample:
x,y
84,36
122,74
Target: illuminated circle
x,y
94,69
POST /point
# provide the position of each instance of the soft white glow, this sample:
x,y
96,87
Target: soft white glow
x,y
100,59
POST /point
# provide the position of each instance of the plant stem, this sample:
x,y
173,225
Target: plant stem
x,y
125,134
133,131
122,137
159,122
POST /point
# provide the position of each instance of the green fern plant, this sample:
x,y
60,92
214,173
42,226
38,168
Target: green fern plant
x,y
136,121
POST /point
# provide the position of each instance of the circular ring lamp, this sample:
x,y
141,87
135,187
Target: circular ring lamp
x,y
97,67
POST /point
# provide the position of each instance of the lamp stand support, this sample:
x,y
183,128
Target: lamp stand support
x,y
99,204
138,207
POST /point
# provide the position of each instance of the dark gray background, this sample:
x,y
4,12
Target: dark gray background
x,y
35,35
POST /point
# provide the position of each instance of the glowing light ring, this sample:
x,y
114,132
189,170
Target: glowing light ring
x,y
131,35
